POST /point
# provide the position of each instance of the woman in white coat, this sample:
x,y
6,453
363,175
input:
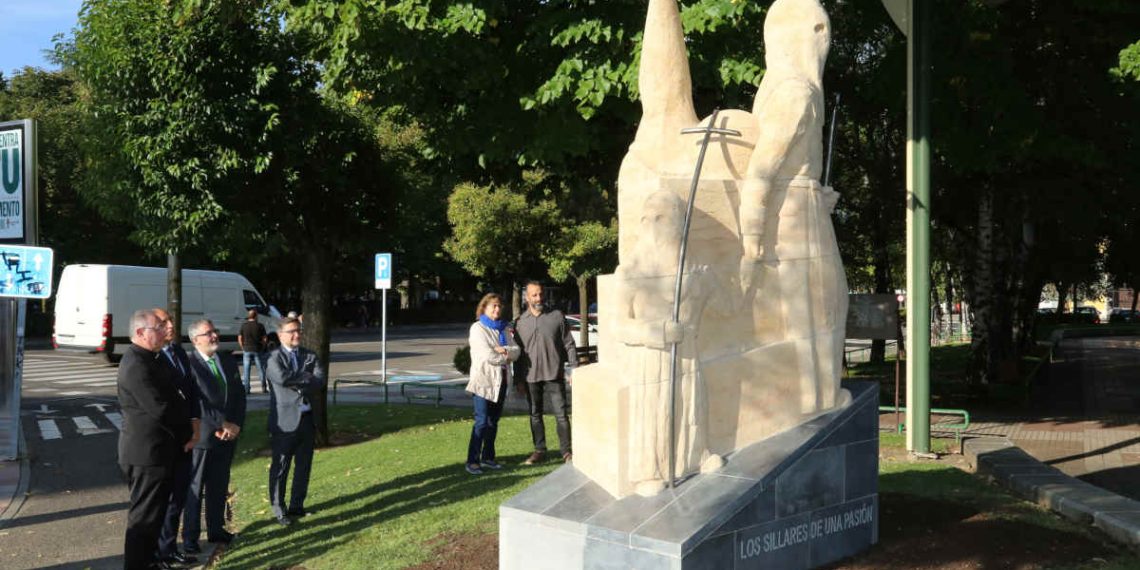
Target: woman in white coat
x,y
493,349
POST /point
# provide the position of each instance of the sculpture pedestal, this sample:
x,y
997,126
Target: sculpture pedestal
x,y
802,498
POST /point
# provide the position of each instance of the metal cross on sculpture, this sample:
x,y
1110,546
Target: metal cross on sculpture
x,y
707,131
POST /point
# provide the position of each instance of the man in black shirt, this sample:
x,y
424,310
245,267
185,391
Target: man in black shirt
x,y
547,347
253,340
156,429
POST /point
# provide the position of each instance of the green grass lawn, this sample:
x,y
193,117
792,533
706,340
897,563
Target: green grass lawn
x,y
396,484
380,501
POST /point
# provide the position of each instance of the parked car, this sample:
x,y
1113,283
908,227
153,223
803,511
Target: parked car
x,y
1086,315
1124,316
574,322
94,303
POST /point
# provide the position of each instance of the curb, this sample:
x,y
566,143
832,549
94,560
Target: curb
x,y
999,460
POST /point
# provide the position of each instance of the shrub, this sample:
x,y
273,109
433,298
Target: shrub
x,y
462,360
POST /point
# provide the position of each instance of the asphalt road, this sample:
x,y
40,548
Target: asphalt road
x,y
74,514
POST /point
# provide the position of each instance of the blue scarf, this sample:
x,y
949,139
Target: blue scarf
x,y
499,325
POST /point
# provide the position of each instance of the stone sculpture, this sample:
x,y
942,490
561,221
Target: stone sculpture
x,y
763,302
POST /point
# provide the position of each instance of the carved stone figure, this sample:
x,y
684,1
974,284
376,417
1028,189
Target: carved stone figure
x,y
763,300
645,325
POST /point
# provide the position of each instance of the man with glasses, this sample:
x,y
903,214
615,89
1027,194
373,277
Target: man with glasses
x,y
156,428
295,376
177,365
223,414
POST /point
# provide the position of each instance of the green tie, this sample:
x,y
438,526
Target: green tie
x,y
217,374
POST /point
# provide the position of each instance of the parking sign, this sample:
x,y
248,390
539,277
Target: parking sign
x,y
383,271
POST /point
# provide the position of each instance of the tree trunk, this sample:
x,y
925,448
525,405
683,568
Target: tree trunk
x,y
584,307
983,289
316,303
882,271
516,300
174,293
1062,293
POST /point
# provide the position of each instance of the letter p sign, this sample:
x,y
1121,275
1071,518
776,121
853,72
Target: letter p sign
x,y
383,271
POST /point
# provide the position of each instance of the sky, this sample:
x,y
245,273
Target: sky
x,y
26,29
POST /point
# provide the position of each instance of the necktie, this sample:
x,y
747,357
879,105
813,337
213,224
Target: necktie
x,y
170,354
296,362
217,374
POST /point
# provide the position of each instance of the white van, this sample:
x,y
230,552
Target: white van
x,y
94,303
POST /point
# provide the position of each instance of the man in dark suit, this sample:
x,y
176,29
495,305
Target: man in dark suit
x,y
223,413
155,430
177,366
295,377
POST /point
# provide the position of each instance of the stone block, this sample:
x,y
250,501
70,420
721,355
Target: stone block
x,y
730,519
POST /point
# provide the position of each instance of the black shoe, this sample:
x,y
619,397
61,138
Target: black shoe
x,y
180,558
164,565
224,538
284,520
191,548
298,514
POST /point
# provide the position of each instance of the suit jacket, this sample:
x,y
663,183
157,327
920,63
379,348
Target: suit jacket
x,y
155,414
290,387
182,377
217,406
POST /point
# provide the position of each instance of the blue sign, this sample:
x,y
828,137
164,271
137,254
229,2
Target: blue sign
x,y
25,271
383,271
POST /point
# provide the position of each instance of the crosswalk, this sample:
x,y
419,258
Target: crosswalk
x,y
68,397
68,377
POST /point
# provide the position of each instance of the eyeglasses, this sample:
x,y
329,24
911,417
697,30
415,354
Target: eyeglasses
x,y
213,332
292,331
157,328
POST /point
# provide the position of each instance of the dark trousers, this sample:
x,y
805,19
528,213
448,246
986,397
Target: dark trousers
x,y
295,447
534,397
168,537
482,444
209,480
150,492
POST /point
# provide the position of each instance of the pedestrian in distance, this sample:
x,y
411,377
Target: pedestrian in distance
x,y
223,414
156,429
254,343
547,347
177,364
296,376
493,349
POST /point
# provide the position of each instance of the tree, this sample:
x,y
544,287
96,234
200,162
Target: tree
x,y
69,225
583,252
209,132
498,234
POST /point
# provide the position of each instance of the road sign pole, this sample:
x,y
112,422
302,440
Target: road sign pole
x,y
383,283
20,192
384,340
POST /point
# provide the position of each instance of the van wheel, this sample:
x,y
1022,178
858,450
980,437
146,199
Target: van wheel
x,y
112,358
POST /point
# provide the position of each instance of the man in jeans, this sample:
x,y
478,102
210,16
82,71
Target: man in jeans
x,y
253,340
547,346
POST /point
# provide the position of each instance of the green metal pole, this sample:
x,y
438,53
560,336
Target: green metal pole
x,y
918,230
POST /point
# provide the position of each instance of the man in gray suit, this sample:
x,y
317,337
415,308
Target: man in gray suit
x,y
222,399
295,378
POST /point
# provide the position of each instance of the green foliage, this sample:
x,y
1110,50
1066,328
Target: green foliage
x,y
68,224
176,94
497,232
582,251
462,360
1129,63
